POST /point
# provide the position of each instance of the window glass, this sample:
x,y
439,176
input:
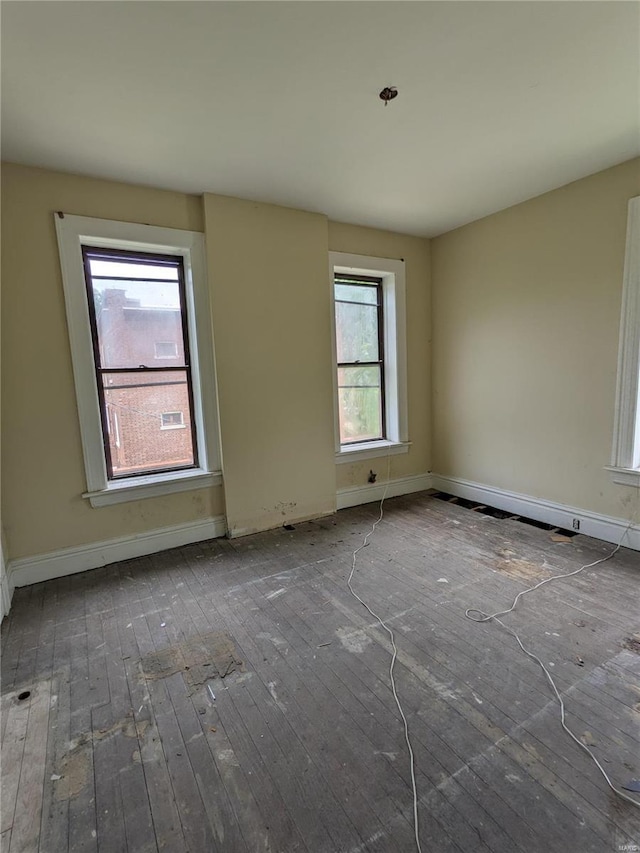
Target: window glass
x,y
136,305
356,332
170,419
358,319
137,317
360,403
166,349
356,292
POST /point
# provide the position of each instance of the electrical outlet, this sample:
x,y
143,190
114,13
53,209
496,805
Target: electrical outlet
x,y
576,524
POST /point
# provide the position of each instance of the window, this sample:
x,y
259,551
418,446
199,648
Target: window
x,y
625,463
135,294
360,355
370,356
131,297
171,420
165,349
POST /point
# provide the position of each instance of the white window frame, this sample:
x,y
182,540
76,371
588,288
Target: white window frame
x,y
75,231
392,274
625,457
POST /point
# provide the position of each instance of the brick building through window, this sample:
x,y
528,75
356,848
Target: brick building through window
x,y
142,367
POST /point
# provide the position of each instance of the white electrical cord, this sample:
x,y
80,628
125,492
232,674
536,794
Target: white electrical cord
x,y
389,631
495,617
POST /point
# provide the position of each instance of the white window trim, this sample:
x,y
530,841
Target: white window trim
x,y
73,232
625,457
392,274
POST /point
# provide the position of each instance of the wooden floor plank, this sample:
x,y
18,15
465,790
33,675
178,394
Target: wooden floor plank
x,y
188,798
54,833
160,793
25,831
16,716
221,815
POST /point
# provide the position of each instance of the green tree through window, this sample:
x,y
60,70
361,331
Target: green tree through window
x,y
360,356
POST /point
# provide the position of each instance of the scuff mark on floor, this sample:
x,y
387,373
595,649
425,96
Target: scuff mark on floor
x,y
271,685
370,840
390,755
353,639
276,593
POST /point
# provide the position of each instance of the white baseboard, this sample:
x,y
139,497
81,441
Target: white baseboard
x,y
6,590
356,495
69,561
603,527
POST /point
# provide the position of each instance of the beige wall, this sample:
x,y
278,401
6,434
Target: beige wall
x,y
525,308
271,299
526,311
43,472
271,307
415,252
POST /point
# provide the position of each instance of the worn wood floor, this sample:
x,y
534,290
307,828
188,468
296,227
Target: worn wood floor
x,y
302,748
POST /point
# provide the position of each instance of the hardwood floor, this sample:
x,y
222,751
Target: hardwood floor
x,y
300,746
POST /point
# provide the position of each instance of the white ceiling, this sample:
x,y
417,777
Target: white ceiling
x,y
278,101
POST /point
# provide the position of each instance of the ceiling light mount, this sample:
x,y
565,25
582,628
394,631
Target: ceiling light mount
x,y
388,94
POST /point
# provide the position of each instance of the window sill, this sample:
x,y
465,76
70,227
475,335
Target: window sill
x,y
153,486
624,476
371,449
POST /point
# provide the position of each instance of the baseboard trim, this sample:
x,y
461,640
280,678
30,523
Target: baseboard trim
x,y
70,561
357,495
605,527
6,590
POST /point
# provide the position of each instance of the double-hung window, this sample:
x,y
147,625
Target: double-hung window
x,y
370,356
131,298
139,327
625,462
360,355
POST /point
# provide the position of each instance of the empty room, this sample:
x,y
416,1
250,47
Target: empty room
x,y
320,427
